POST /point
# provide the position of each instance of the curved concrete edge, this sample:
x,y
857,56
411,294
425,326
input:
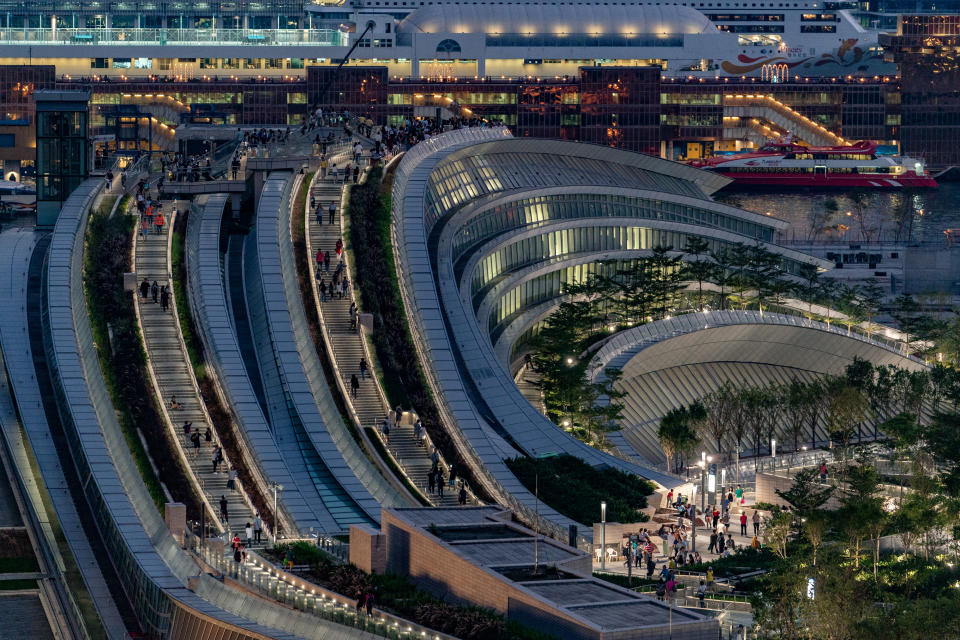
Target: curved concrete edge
x,y
208,300
23,395
153,568
622,347
467,428
378,487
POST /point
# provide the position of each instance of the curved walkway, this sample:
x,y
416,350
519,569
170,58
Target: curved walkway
x,y
16,249
173,376
369,404
293,403
154,568
208,301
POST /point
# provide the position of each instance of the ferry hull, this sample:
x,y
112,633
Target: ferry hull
x,y
830,182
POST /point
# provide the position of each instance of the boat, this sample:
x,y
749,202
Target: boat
x,y
788,164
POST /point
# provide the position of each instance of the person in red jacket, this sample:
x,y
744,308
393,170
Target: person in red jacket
x,y
743,523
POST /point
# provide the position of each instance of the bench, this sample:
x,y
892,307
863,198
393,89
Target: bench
x,y
253,36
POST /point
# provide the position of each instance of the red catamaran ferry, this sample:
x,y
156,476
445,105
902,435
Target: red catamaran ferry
x,y
785,164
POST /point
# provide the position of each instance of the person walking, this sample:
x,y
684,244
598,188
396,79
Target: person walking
x,y
702,594
462,497
232,479
440,482
354,385
208,435
195,439
369,603
756,522
158,222
318,212
319,259
164,298
739,494
155,291
363,369
332,212
249,532
431,480
145,289
823,473
257,528
713,542
223,509
743,523
323,167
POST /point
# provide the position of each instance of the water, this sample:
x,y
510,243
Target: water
x,y
884,216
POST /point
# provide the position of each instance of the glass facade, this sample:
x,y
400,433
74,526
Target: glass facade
x,y
925,49
62,154
540,210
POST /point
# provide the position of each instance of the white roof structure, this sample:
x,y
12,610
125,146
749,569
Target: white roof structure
x,y
554,19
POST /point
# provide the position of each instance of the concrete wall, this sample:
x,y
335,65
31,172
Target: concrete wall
x,y
368,548
443,572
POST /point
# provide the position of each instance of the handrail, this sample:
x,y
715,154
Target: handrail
x,y
193,287
340,382
264,577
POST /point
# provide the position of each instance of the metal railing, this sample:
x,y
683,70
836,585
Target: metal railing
x,y
267,579
206,37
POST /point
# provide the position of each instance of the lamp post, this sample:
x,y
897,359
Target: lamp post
x,y
773,451
277,487
703,482
693,521
603,535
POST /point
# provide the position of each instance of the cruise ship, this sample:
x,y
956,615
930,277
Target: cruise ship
x,y
786,164
441,39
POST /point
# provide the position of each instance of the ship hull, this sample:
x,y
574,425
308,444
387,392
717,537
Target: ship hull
x,y
829,182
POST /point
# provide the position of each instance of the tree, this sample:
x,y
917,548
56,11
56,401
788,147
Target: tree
x,y
870,298
846,407
699,268
813,407
776,532
806,495
666,285
809,285
794,398
677,434
723,263
754,401
722,412
815,526
861,506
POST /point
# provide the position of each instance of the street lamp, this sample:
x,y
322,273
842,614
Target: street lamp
x,y
277,487
569,360
603,535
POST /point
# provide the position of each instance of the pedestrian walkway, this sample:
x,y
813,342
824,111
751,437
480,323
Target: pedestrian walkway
x,y
171,370
346,341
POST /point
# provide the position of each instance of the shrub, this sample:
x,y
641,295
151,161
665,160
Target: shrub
x,y
123,359
575,489
369,215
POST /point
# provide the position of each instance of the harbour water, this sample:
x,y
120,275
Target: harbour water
x,y
835,217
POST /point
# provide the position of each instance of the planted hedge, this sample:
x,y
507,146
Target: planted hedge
x,y
123,358
298,233
397,595
575,489
403,380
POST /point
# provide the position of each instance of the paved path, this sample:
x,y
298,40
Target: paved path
x,y
171,368
370,403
